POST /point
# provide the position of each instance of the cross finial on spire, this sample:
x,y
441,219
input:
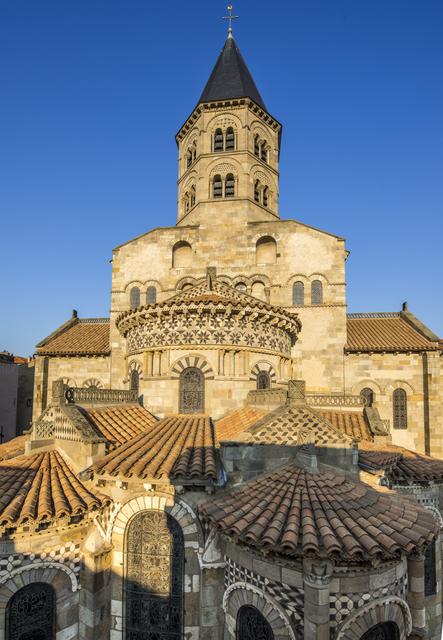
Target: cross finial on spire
x,y
230,17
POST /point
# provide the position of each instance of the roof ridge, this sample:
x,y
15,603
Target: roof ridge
x,y
94,320
375,314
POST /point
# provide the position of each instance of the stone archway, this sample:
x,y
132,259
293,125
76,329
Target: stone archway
x,y
382,631
252,625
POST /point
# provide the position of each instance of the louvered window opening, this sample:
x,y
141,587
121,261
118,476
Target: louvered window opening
x,y
151,295
316,292
430,571
252,625
368,396
154,577
218,140
298,294
218,187
400,409
230,186
230,139
30,613
135,298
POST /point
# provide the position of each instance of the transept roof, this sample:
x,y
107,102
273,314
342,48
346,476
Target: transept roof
x,y
87,336
231,78
296,513
384,332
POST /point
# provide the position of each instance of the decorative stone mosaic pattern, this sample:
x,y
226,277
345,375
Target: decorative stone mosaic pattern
x,y
290,598
206,329
69,555
343,605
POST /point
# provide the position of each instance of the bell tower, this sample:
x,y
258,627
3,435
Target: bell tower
x,y
228,149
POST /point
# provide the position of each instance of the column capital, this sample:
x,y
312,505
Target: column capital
x,y
317,572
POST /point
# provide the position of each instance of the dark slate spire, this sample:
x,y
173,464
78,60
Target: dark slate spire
x,y
231,78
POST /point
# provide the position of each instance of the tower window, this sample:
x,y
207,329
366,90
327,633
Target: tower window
x,y
257,191
230,139
229,186
134,298
265,196
257,146
264,152
298,294
151,295
189,158
218,187
218,140
316,292
186,202
192,197
368,396
400,409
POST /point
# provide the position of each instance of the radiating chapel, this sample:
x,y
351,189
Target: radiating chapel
x,y
229,455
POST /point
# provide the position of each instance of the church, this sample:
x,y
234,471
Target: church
x,y
229,455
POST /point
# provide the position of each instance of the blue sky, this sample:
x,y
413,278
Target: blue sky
x,y
92,93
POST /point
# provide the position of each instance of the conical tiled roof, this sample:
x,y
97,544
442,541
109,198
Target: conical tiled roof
x,y
295,513
231,78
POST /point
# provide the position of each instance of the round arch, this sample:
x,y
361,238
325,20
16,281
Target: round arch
x,y
391,609
192,360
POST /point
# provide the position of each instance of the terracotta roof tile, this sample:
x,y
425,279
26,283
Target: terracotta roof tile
x,y
351,423
401,466
118,424
384,332
13,448
41,488
294,513
83,337
228,427
180,446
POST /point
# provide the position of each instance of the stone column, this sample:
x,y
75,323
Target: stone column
x,y
317,575
416,592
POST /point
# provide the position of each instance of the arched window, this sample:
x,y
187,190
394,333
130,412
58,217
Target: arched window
x,y
258,290
194,151
264,152
192,196
400,409
192,391
265,196
30,613
153,584
217,187
135,380
189,158
368,396
382,631
263,380
151,295
266,250
257,189
298,294
230,139
134,298
186,202
430,571
218,140
316,292
252,625
257,145
230,186
241,286
181,255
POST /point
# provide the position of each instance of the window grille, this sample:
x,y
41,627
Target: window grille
x,y
316,292
252,625
263,380
400,409
430,571
135,380
135,298
265,196
230,139
192,391
368,396
298,293
30,613
153,586
151,295
218,140
230,186
218,187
